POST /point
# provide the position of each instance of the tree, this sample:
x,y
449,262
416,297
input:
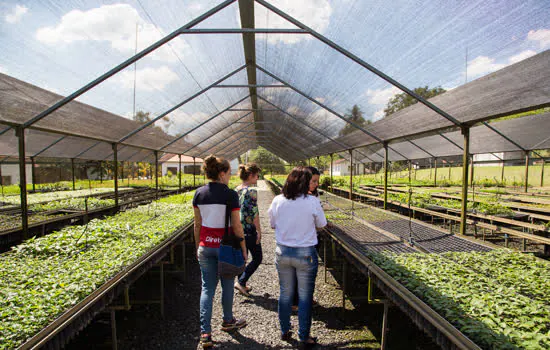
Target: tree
x,y
354,115
142,117
267,161
404,100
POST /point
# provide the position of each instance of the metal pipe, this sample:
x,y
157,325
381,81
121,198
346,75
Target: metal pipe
x,y
472,173
243,31
502,173
526,172
435,171
126,63
157,174
33,175
465,160
179,172
251,85
542,173
385,175
331,167
201,124
194,170
162,115
115,165
72,173
351,175
20,133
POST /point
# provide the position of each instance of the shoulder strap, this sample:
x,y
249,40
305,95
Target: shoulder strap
x,y
227,213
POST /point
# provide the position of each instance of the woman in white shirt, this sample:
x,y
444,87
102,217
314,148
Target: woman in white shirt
x,y
295,216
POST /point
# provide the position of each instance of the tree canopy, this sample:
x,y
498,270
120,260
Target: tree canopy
x,y
354,115
267,161
403,100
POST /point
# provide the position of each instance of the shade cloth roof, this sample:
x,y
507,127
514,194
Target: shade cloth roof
x,y
287,96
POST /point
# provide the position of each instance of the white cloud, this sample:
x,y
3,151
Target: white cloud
x,y
379,114
17,13
381,96
482,65
147,79
540,35
521,56
320,99
313,13
3,70
115,24
180,121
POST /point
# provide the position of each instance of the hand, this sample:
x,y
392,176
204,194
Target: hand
x,y
259,238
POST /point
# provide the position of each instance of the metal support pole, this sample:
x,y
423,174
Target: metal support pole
x,y
450,167
115,165
502,172
385,175
157,174
465,161
72,173
331,166
472,173
350,174
384,327
194,167
542,174
101,171
526,171
20,132
113,330
179,172
410,166
435,171
33,175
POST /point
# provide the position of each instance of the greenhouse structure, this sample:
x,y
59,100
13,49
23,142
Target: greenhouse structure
x,y
466,261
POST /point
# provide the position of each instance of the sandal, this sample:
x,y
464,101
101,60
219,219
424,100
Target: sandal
x,y
206,341
242,290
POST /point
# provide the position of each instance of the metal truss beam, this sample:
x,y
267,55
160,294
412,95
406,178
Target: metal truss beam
x,y
204,122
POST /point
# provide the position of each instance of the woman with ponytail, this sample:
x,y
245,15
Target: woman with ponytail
x,y
250,219
209,206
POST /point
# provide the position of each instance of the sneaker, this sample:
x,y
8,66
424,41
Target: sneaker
x,y
241,289
206,341
228,326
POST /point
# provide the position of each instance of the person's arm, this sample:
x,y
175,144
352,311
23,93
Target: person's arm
x,y
238,229
319,214
197,226
236,220
254,203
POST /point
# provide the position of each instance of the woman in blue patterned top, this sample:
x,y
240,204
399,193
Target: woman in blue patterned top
x,y
250,219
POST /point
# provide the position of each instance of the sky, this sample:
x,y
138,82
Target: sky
x,y
62,45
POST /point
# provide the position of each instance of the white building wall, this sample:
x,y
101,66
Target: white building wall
x,y
12,171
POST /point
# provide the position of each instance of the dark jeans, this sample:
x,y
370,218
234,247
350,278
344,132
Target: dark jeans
x,y
257,256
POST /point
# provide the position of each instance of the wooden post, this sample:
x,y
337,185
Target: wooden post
x,y
385,175
526,171
72,172
33,175
179,172
435,172
465,160
331,166
115,166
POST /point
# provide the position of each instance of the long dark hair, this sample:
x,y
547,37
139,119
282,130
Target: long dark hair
x,y
314,171
297,183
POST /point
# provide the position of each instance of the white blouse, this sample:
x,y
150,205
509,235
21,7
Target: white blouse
x,y
295,221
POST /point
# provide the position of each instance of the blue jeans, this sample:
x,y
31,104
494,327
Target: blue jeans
x,y
208,261
257,256
296,265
